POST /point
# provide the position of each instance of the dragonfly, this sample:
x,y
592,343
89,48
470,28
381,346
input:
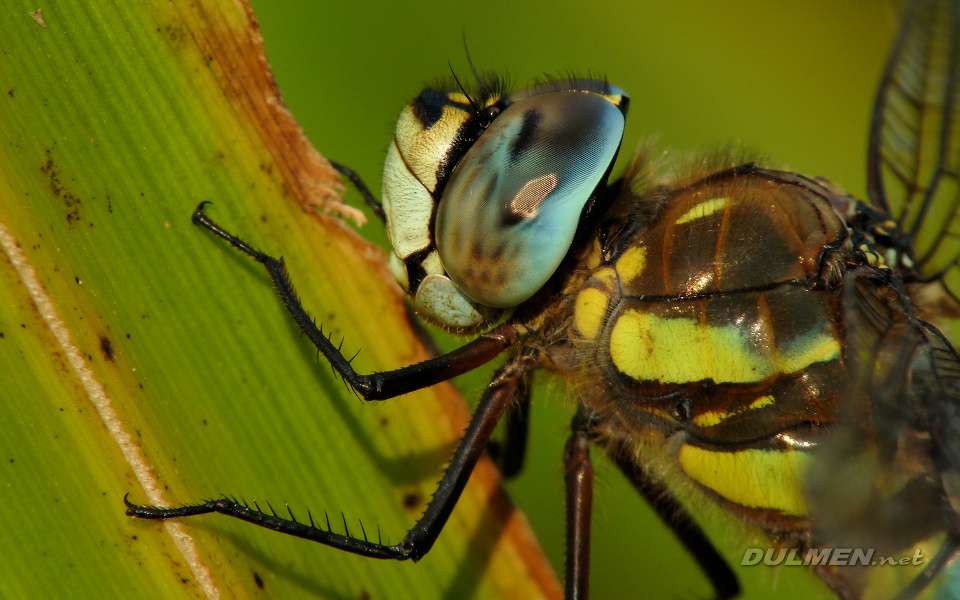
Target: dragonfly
x,y
739,335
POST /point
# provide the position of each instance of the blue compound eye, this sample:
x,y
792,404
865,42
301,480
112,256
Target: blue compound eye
x,y
509,213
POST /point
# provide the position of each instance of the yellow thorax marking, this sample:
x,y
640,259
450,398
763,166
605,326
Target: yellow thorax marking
x,y
606,277
631,264
814,347
761,402
715,417
703,209
596,255
769,479
683,350
590,312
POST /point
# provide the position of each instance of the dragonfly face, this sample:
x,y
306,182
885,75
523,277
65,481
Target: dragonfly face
x,y
482,197
742,335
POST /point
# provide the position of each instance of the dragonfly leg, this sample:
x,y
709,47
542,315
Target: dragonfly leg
x,y
681,522
417,542
375,386
578,469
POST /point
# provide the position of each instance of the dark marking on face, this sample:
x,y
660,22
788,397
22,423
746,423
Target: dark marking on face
x,y
428,107
415,270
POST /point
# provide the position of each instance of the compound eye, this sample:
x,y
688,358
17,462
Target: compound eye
x,y
510,210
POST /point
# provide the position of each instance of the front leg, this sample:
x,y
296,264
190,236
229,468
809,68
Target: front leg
x,y
376,386
417,542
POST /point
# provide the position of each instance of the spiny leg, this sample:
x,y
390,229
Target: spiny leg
x,y
509,454
578,470
376,386
681,522
418,541
358,183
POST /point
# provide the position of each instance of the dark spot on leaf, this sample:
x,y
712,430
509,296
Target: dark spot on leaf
x,y
258,580
106,346
412,500
70,201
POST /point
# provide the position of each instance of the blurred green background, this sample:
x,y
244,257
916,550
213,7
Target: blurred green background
x,y
793,81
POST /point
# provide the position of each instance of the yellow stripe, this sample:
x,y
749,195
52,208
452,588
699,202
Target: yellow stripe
x,y
590,312
711,418
703,209
606,277
761,402
715,417
766,479
631,264
680,350
796,355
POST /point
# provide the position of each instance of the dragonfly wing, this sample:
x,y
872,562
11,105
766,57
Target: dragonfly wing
x,y
914,156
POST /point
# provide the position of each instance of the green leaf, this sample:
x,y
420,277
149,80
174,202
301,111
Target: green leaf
x,y
140,355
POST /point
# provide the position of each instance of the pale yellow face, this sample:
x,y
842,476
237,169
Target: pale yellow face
x,y
410,177
419,153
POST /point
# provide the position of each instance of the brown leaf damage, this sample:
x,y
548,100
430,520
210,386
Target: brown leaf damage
x,y
233,50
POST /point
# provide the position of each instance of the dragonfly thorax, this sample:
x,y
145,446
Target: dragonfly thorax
x,y
717,327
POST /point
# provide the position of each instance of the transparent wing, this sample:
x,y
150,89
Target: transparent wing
x,y
887,474
914,156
